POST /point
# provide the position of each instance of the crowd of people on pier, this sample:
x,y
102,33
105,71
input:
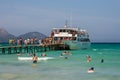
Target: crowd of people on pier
x,y
21,41
31,41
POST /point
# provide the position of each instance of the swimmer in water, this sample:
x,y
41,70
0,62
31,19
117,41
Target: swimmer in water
x,y
88,58
66,57
102,60
91,70
43,55
35,58
18,54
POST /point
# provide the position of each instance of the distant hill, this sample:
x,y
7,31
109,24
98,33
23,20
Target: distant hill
x,y
4,35
32,35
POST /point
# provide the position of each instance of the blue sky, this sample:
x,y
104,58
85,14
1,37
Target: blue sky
x,y
101,18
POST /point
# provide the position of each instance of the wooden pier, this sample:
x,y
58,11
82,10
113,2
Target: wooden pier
x,y
31,48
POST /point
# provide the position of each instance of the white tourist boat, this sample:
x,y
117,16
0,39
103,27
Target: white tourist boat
x,y
75,38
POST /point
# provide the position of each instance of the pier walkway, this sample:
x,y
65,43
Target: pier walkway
x,y
31,48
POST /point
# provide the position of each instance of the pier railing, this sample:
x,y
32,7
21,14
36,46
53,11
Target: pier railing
x,y
31,48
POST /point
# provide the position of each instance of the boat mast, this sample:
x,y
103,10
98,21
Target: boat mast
x,y
65,24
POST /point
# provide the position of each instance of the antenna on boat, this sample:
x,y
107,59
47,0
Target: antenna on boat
x,y
71,18
65,24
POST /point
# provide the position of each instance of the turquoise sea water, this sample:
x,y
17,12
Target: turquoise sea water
x,y
73,68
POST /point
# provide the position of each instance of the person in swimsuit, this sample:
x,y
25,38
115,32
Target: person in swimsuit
x,y
88,58
35,58
91,70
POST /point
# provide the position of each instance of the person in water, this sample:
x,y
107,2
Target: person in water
x,y
102,60
88,58
43,55
18,54
35,58
91,70
66,57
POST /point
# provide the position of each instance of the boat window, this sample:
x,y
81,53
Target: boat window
x,y
64,31
78,39
60,30
55,38
67,30
55,31
61,38
86,40
74,38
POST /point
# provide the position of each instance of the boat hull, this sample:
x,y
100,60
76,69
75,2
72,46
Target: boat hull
x,y
77,45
